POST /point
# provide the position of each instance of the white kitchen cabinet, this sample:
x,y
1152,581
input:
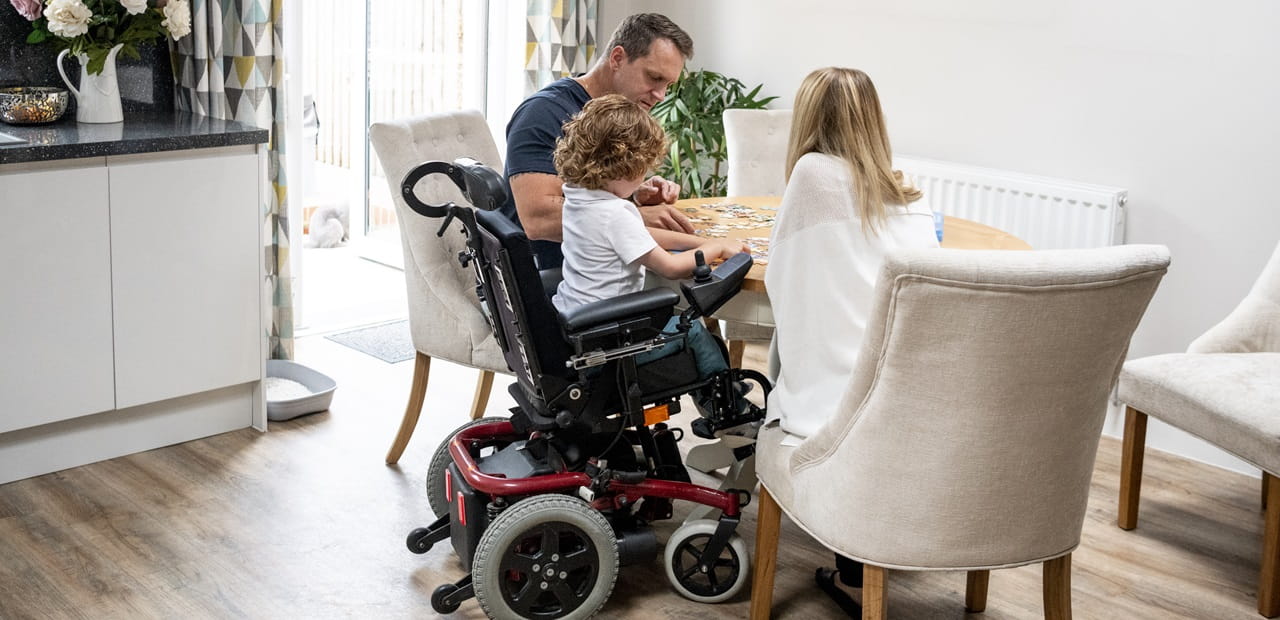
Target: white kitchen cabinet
x,y
133,296
55,283
185,283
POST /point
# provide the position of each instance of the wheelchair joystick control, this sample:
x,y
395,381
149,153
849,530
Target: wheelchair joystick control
x,y
701,272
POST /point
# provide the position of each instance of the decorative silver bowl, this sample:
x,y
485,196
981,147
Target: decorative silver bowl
x,y
32,105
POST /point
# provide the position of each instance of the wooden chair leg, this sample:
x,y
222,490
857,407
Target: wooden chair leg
x,y
975,591
1266,487
1135,439
737,348
712,325
875,600
1057,588
1269,580
421,366
481,400
768,524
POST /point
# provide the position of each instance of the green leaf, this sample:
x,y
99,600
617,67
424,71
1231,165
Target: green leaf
x,y
692,116
37,36
97,60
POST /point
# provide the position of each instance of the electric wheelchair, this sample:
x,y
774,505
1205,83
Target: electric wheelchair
x,y
543,507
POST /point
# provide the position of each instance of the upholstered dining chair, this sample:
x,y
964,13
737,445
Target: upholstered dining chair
x,y
755,143
966,437
444,312
1226,390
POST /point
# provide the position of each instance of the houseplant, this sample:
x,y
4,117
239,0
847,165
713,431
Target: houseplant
x,y
691,115
95,31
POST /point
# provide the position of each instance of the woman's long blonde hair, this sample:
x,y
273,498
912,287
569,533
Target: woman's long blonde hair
x,y
837,112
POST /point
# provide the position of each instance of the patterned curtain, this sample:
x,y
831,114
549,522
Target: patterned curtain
x,y
232,67
560,40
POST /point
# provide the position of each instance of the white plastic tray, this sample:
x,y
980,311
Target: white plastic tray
x,y
320,385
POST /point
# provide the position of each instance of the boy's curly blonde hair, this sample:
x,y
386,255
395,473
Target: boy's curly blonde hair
x,y
611,138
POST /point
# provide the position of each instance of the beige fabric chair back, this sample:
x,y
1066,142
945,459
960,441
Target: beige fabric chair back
x,y
444,313
1254,326
967,435
756,150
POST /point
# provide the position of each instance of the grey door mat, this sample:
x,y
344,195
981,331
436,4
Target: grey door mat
x,y
389,342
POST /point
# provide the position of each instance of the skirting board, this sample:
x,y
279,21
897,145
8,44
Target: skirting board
x,y
89,439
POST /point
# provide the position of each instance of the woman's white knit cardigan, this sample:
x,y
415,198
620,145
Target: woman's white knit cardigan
x,y
821,276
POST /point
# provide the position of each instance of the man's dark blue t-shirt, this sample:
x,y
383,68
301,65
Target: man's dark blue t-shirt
x,y
531,143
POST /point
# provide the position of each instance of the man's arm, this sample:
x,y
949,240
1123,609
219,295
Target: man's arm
x,y
539,202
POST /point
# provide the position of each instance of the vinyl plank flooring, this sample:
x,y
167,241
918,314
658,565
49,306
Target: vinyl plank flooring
x,y
307,521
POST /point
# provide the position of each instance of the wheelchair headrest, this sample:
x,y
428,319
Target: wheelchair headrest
x,y
482,186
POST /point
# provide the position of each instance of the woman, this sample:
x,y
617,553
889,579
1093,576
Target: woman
x,y
844,208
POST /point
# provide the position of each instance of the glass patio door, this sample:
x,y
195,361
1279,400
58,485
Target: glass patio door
x,y
422,57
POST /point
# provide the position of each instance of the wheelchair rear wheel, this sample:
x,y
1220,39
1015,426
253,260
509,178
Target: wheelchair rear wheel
x,y
548,556
440,463
684,552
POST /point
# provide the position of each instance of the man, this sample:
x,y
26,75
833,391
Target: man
x,y
644,57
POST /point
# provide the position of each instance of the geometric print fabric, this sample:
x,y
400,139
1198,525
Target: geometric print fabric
x,y
560,40
232,67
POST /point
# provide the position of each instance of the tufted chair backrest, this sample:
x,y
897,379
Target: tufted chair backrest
x,y
444,311
756,149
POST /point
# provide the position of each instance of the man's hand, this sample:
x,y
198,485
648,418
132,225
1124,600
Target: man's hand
x,y
666,217
657,194
656,191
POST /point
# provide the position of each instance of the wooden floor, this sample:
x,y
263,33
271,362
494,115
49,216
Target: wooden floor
x,y
307,522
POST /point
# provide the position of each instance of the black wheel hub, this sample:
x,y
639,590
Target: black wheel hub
x,y
550,571
719,576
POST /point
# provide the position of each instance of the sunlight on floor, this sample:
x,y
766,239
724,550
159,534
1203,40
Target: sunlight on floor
x,y
340,289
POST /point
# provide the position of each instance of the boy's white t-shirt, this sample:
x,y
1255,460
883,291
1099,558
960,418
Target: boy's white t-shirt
x,y
603,239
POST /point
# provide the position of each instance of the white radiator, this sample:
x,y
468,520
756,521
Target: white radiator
x,y
1046,213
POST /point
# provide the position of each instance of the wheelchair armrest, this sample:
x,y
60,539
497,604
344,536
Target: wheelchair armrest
x,y
632,305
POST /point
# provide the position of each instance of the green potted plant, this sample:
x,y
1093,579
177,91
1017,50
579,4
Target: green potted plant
x,y
691,115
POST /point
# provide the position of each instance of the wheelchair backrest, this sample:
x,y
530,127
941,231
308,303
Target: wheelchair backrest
x,y
522,313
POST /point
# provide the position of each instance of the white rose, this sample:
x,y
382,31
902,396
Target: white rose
x,y
134,6
177,18
68,18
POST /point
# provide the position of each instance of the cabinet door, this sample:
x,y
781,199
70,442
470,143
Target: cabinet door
x,y
185,273
55,283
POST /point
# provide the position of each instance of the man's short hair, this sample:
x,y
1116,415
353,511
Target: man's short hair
x,y
611,138
637,33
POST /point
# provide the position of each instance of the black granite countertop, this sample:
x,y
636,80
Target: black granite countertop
x,y
139,133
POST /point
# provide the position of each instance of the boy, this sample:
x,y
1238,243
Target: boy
x,y
603,157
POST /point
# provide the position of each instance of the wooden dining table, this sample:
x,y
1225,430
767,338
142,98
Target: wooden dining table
x,y
750,218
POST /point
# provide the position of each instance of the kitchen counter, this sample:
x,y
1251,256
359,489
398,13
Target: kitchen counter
x,y
139,133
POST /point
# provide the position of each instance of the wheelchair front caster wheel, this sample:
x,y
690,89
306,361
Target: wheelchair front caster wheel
x,y
438,601
683,557
417,541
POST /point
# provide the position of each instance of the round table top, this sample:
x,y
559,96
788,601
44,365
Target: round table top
x,y
750,218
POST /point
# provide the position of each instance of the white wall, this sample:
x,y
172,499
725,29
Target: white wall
x,y
1179,102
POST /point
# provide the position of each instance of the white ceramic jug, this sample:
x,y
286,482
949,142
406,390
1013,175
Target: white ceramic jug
x,y
98,98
